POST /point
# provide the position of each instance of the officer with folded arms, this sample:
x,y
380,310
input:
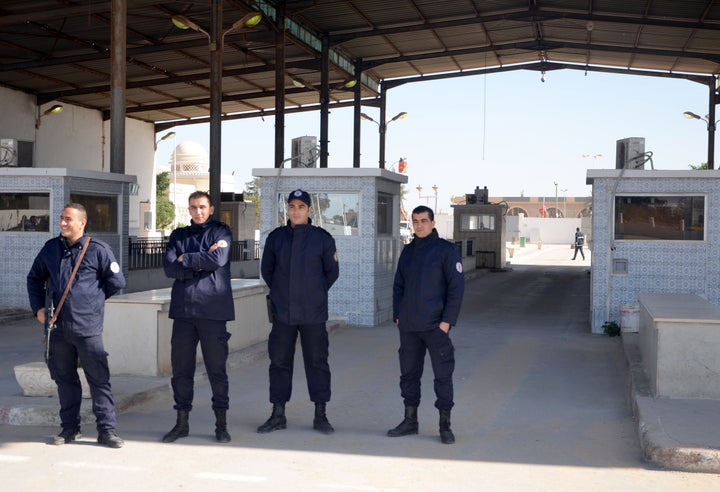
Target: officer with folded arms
x,y
201,303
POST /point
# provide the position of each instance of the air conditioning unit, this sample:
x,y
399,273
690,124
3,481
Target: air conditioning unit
x,y
304,152
8,152
25,153
630,153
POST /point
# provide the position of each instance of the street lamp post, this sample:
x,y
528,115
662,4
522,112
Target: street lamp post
x,y
382,129
564,192
556,200
427,197
216,40
711,135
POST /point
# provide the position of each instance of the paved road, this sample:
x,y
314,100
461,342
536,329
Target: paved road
x,y
540,405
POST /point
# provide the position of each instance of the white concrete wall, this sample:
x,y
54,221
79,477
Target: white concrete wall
x,y
18,111
72,138
78,138
139,161
547,230
138,330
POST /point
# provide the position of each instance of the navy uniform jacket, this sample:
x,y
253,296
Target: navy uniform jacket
x,y
579,238
202,288
98,278
429,284
300,264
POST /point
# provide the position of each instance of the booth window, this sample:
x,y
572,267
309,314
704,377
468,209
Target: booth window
x,y
650,217
25,212
102,214
337,213
478,222
384,213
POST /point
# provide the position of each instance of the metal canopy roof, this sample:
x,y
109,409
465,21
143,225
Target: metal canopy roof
x,y
60,49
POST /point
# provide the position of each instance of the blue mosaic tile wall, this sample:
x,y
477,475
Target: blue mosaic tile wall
x,y
653,266
362,294
20,248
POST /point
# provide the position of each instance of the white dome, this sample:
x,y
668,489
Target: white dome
x,y
191,159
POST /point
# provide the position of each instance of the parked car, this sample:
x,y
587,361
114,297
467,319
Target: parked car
x,y
406,233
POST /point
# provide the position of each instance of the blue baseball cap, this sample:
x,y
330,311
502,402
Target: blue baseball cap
x,y
301,195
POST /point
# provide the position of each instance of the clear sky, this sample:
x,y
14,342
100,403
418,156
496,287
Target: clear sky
x,y
509,132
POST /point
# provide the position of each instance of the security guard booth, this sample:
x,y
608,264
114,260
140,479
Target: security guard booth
x,y
479,227
360,207
31,200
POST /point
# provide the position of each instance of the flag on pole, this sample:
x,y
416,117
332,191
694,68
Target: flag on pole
x,y
402,166
543,210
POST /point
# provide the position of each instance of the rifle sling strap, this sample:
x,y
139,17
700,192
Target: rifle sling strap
x,y
70,281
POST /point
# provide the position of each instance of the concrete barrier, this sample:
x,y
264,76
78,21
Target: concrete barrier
x,y
679,343
137,327
34,379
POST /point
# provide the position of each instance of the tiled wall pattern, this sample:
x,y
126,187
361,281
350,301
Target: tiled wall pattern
x,y
653,266
363,293
20,248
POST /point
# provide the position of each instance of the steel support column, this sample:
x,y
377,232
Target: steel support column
x,y
118,44
711,123
357,107
280,86
324,101
216,64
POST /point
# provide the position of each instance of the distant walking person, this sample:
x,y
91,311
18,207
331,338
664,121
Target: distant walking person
x,y
86,269
579,241
201,303
299,264
427,294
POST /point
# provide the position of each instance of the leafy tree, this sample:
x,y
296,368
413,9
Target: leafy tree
x,y
252,194
700,167
164,208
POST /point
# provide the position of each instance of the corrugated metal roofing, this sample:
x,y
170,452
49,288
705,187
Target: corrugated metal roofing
x,y
60,49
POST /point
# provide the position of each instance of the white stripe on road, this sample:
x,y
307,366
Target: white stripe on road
x,y
230,477
361,488
99,466
9,458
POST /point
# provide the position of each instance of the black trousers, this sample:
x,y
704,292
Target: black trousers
x,y
580,249
315,350
413,345
65,348
213,338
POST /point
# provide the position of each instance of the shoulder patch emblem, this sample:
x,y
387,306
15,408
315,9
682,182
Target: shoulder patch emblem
x,y
114,267
222,244
458,267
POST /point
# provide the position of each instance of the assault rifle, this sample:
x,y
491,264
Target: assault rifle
x,y
49,327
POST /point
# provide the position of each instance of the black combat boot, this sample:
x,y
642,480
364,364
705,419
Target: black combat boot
x,y
320,422
181,429
67,436
276,421
221,433
446,434
110,439
408,426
